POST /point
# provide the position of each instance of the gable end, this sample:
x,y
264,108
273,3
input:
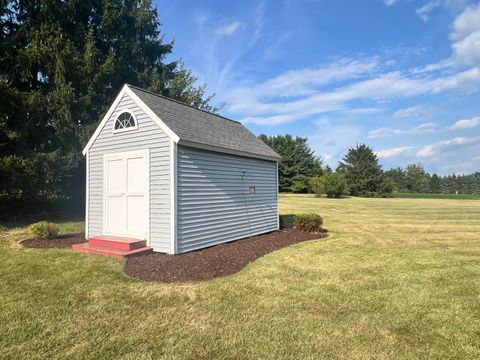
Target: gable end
x,y
127,91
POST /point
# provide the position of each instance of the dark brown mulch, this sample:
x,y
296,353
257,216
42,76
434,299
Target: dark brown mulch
x,y
60,242
213,262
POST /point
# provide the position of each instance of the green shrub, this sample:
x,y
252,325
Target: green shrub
x,y
308,222
332,185
44,229
317,185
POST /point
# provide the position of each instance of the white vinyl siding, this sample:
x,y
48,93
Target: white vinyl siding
x,y
147,136
214,204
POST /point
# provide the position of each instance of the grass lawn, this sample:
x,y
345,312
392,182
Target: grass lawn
x,y
398,278
437,196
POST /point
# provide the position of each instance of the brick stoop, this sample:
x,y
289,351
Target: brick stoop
x,y
115,246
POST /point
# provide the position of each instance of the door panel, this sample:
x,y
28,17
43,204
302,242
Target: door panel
x,y
136,214
116,215
116,176
126,194
136,175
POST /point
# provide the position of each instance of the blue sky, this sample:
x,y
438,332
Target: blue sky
x,y
400,75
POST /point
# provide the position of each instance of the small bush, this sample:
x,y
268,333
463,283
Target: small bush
x,y
308,222
332,184
44,229
317,185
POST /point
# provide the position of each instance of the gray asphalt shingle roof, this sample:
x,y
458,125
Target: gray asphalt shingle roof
x,y
202,127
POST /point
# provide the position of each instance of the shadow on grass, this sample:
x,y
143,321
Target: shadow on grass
x,y
333,198
20,214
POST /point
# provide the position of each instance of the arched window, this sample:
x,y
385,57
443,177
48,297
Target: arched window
x,y
125,121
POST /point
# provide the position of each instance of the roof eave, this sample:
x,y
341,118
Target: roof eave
x,y
228,151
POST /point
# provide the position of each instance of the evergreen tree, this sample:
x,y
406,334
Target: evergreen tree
x,y
298,163
61,64
435,184
363,174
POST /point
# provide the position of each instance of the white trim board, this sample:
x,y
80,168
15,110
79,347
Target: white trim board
x,y
173,197
278,200
221,150
87,193
142,105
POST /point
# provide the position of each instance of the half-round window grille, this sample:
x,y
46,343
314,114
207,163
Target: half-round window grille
x,y
125,121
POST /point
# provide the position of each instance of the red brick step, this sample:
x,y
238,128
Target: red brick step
x,y
116,242
118,247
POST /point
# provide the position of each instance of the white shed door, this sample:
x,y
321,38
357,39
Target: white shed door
x,y
126,190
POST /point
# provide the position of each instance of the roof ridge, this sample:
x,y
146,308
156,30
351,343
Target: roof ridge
x,y
182,103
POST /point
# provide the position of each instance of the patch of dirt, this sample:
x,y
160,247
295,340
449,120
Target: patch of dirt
x,y
213,262
60,242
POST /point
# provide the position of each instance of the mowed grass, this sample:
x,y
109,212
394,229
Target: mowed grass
x,y
397,278
437,196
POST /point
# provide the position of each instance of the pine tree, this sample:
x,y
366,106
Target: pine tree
x,y
435,184
299,162
61,65
363,173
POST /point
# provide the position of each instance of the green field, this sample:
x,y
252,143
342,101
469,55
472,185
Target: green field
x,y
437,196
397,278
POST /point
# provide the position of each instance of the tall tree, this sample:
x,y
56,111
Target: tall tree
x,y
298,163
363,173
61,64
435,184
416,178
397,175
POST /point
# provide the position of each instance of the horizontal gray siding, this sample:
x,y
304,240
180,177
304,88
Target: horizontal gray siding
x,y
147,136
213,200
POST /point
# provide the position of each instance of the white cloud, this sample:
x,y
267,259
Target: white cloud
x,y
303,81
424,11
446,145
352,86
230,28
466,23
424,128
382,132
466,36
390,2
441,65
466,123
476,158
417,130
362,111
414,111
394,151
258,104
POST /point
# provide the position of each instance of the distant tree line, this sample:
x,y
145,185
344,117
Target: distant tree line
x,y
301,171
415,179
358,174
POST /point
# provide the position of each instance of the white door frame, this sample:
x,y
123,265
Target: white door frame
x,y
146,154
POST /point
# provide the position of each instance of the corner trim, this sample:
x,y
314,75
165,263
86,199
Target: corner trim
x,y
87,192
173,197
278,200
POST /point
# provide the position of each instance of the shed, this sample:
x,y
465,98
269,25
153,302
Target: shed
x,y
176,177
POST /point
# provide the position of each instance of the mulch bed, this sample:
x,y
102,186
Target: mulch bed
x,y
60,242
213,262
